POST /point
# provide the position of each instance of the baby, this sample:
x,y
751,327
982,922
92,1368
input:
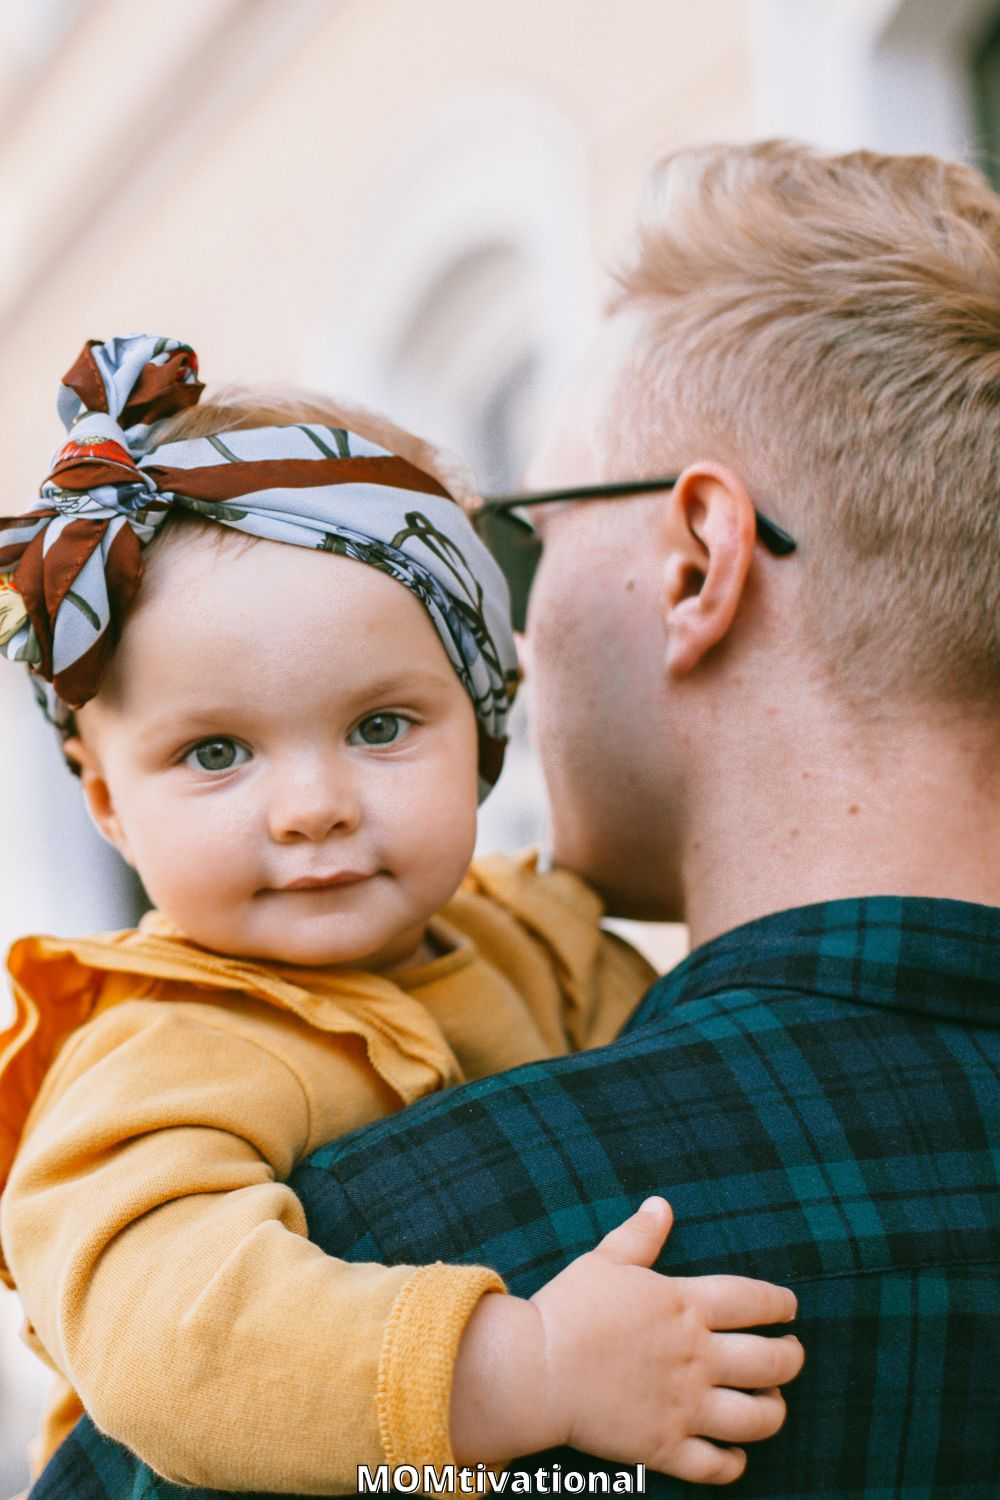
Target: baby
x,y
286,731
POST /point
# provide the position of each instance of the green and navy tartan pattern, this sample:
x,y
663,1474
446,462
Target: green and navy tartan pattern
x,y
818,1094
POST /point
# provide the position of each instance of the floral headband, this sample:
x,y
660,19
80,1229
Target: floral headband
x,y
71,565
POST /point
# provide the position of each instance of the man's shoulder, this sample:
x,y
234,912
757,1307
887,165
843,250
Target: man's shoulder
x,y
808,1116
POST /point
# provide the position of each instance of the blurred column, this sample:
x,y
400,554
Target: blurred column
x,y
56,875
892,75
23,1382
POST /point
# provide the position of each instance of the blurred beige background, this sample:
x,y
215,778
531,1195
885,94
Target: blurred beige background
x,y
410,202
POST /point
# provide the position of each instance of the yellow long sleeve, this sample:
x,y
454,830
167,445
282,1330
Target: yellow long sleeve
x,y
167,1271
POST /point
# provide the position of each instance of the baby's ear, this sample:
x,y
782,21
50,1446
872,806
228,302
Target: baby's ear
x,y
97,795
75,752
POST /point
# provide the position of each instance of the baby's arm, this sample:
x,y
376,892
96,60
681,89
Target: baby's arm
x,y
167,1271
168,1275
625,1363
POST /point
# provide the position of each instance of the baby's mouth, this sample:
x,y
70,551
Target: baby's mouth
x,y
325,882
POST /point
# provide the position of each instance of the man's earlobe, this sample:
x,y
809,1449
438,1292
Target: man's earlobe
x,y
708,541
97,796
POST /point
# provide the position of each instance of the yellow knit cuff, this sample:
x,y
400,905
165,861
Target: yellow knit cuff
x,y
417,1363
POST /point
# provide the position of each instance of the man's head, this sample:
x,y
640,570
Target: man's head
x,y
819,336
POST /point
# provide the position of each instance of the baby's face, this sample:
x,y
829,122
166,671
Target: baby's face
x,y
283,751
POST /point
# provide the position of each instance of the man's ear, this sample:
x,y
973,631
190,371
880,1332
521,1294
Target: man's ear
x,y
97,795
708,539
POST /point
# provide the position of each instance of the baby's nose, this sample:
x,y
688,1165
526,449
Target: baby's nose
x,y
311,803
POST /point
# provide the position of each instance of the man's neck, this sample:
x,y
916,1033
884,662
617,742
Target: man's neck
x,y
911,810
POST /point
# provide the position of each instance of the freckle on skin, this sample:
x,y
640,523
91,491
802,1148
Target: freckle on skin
x,y
794,833
854,808
630,586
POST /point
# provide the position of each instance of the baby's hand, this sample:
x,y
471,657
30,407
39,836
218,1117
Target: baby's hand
x,y
642,1366
625,1363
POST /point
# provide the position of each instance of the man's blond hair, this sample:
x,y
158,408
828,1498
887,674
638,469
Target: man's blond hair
x,y
830,326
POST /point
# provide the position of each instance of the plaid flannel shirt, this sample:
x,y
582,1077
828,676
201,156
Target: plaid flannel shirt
x,y
817,1094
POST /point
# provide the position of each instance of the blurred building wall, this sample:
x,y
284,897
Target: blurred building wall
x,y
410,202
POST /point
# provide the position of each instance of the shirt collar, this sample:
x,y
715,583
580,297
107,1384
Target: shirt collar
x,y
934,957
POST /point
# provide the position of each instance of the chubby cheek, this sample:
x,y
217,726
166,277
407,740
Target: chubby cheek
x,y
461,835
426,817
440,833
188,855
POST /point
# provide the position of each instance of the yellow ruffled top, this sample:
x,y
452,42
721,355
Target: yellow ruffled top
x,y
154,1098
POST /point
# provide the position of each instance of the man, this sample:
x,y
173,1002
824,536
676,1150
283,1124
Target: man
x,y
794,751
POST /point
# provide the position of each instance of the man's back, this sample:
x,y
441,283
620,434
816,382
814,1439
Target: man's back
x,y
817,1094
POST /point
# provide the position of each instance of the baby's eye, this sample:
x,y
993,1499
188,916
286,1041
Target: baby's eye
x,y
216,755
379,729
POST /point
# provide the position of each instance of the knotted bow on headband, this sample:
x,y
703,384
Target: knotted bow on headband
x,y
70,566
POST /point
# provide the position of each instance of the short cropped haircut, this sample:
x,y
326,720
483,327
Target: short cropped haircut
x,y
830,327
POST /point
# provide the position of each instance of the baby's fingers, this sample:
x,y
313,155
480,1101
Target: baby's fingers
x,y
639,1240
739,1302
699,1462
750,1361
736,1417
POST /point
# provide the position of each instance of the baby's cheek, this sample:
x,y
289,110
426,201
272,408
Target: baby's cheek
x,y
183,858
444,854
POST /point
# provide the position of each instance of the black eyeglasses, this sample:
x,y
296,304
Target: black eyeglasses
x,y
517,546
